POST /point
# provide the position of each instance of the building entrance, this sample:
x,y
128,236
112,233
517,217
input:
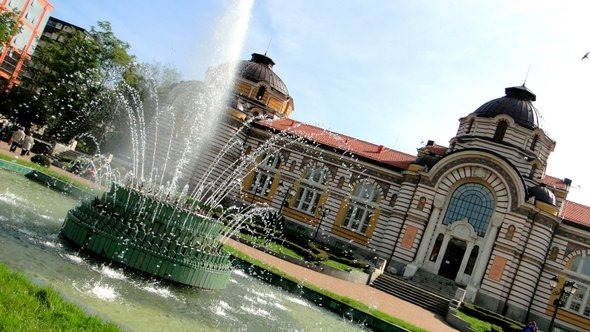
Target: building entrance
x,y
452,259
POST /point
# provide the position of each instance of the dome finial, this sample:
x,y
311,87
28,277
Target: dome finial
x,y
525,76
268,46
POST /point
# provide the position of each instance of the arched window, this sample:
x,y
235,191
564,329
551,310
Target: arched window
x,y
533,171
500,130
470,126
534,142
510,232
474,202
581,264
311,189
361,207
393,200
260,93
472,259
436,248
265,174
341,182
421,203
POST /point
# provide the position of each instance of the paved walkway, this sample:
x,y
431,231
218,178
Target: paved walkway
x,y
366,294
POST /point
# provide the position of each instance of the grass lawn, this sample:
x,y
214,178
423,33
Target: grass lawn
x,y
277,248
50,172
476,324
27,307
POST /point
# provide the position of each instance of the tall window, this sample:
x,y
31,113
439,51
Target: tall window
x,y
474,202
260,92
311,189
265,174
533,171
472,259
580,301
470,126
534,142
361,207
500,130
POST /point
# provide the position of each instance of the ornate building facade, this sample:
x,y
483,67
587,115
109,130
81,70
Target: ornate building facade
x,y
480,212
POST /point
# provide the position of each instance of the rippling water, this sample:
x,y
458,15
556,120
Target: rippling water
x,y
30,219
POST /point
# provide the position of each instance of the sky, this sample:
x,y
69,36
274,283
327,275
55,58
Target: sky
x,y
391,72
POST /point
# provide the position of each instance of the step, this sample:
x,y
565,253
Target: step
x,y
410,292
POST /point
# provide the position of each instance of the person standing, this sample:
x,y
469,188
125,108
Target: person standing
x,y
27,144
530,327
17,139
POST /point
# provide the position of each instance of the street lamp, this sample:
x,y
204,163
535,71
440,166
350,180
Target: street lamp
x,y
323,213
570,287
289,192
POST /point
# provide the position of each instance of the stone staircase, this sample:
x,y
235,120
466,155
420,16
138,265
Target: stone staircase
x,y
429,291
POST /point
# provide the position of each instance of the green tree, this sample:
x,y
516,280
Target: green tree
x,y
79,79
8,26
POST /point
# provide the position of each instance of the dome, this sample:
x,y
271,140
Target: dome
x,y
542,194
259,69
517,104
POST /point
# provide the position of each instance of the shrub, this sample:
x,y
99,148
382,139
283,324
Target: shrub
x,y
41,160
501,322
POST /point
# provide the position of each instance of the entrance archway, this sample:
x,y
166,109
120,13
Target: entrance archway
x,y
452,259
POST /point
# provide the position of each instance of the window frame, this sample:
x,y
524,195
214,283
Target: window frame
x,y
312,187
361,207
461,205
265,173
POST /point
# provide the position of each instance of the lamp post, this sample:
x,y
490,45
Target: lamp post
x,y
570,287
289,192
323,213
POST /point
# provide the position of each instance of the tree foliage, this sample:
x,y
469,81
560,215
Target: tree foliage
x,y
84,85
8,26
77,80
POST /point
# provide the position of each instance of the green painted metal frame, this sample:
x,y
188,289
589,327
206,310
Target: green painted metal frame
x,y
152,236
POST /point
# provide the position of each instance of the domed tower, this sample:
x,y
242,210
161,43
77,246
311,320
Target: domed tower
x,y
509,126
259,91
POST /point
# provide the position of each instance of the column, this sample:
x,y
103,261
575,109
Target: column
x,y
430,228
486,251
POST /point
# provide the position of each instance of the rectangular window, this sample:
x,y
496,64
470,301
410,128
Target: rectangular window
x,y
579,302
308,199
261,184
357,218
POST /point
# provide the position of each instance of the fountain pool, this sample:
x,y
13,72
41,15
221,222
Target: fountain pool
x,y
31,217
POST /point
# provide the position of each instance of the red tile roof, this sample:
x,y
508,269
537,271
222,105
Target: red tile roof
x,y
571,211
553,182
378,153
439,150
576,212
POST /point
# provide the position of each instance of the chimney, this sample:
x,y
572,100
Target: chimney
x,y
568,182
380,148
430,142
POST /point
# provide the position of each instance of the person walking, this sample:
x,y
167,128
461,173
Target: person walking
x,y
27,144
17,139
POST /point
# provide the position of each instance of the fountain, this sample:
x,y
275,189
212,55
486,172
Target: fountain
x,y
31,216
151,235
153,226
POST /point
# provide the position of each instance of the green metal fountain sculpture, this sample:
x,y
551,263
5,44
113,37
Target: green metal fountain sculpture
x,y
151,235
